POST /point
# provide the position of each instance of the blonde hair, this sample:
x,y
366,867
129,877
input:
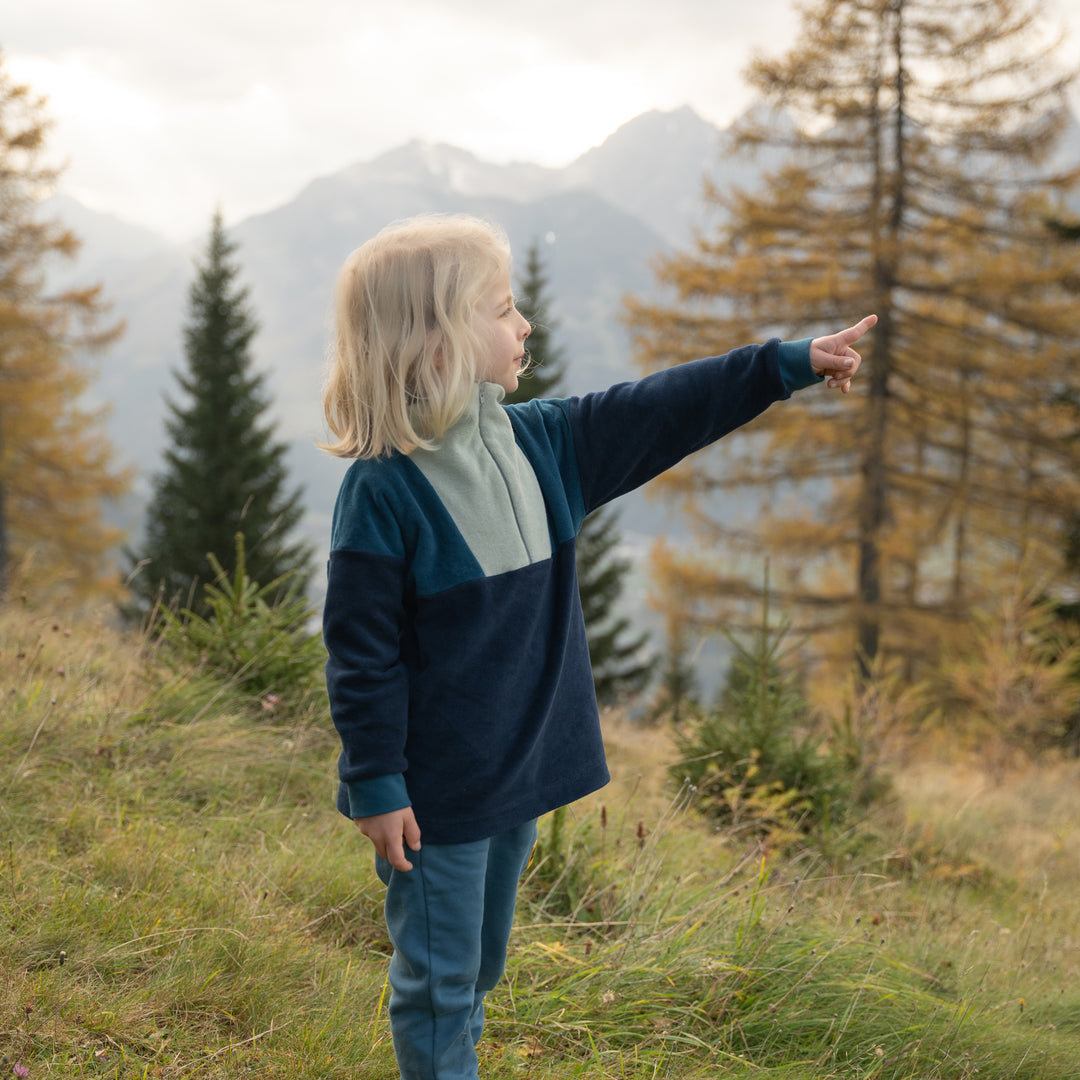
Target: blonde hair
x,y
405,355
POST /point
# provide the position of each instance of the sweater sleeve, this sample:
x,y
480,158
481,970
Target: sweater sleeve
x,y
632,432
366,678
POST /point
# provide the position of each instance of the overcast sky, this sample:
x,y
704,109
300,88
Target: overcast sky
x,y
164,109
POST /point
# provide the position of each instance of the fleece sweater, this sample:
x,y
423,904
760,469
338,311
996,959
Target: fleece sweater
x,y
458,668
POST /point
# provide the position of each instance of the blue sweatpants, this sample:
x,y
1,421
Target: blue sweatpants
x,y
449,920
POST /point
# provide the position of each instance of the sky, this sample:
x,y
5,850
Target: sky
x,y
164,110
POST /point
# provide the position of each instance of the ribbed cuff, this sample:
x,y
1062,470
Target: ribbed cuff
x,y
380,795
795,369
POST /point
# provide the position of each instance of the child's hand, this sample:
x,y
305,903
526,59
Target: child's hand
x,y
834,357
386,832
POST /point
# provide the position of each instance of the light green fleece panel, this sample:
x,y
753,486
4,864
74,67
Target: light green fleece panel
x,y
488,487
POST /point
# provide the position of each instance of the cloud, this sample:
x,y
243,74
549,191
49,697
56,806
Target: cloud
x,y
165,110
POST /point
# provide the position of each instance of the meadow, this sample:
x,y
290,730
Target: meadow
x,y
179,898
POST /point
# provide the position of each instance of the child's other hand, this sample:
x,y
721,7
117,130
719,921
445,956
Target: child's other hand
x,y
833,356
387,831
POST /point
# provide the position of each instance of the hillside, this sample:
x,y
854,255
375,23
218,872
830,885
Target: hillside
x,y
181,899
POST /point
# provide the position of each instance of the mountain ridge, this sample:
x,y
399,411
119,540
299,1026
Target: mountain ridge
x,y
594,250
600,222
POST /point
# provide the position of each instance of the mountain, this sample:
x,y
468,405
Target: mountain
x,y
108,245
601,221
653,168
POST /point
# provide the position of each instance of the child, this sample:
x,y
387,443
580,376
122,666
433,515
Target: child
x,y
458,669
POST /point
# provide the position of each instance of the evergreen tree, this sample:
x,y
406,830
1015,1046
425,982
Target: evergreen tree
x,y
224,473
617,663
754,762
915,186
616,660
544,376
56,465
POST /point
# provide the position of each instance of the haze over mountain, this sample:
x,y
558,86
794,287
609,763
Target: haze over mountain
x,y
600,222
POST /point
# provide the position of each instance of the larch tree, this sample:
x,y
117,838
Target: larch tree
x,y
917,184
224,472
57,466
617,654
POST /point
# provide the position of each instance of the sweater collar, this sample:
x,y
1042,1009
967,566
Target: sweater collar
x,y
489,395
484,407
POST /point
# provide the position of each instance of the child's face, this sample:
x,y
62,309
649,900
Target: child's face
x,y
503,330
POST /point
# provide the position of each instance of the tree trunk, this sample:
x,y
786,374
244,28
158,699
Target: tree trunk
x,y
889,183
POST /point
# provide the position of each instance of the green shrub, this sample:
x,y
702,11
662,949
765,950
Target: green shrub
x,y
257,638
756,761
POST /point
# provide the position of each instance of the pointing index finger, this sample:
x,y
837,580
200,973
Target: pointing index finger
x,y
853,333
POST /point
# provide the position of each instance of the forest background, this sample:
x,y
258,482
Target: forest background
x,y
911,604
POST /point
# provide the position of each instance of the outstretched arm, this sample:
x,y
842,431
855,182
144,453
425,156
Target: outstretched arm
x,y
835,359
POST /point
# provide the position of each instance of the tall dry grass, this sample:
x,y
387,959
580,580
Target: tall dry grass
x,y
178,898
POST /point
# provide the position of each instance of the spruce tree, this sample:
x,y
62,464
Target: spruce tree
x,y
617,663
616,659
543,378
224,473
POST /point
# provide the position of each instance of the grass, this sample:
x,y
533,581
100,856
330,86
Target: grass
x,y
178,898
